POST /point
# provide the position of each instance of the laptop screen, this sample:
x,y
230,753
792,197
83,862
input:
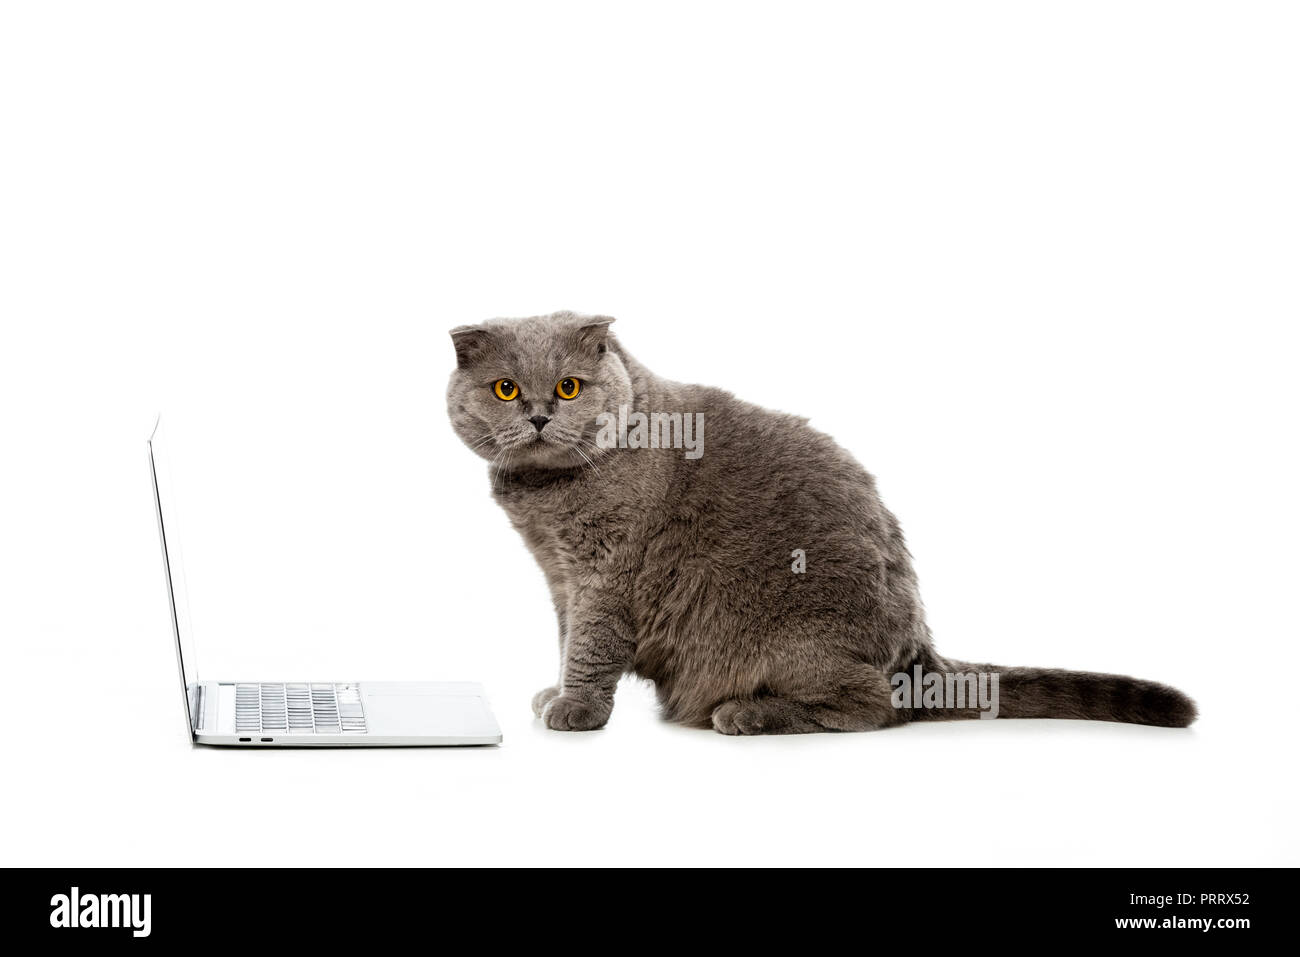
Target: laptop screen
x,y
178,605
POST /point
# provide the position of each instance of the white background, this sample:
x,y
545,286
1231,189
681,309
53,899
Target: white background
x,y
1034,264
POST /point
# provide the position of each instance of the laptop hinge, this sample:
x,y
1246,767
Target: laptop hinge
x,y
200,695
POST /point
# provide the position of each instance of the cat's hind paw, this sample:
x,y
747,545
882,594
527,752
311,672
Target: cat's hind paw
x,y
768,715
738,717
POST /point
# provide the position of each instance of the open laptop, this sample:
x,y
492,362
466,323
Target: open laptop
x,y
295,714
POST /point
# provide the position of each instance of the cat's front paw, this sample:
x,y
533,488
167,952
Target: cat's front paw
x,y
566,713
541,699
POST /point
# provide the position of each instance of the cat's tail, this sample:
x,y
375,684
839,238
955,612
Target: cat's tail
x,y
1055,693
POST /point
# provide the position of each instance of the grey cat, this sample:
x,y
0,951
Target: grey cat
x,y
677,567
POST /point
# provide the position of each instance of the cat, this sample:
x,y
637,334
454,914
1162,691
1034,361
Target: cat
x,y
676,565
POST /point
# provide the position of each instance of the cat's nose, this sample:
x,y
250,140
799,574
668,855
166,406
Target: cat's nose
x,y
539,421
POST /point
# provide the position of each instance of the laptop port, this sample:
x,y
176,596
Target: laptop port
x,y
267,740
245,740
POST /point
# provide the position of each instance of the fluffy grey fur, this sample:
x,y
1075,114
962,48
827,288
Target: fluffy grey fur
x,y
679,570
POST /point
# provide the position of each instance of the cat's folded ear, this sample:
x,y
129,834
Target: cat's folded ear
x,y
470,343
592,331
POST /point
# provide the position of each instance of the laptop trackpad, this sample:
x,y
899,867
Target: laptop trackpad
x,y
427,714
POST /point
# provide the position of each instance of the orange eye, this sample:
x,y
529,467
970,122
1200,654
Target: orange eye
x,y
568,388
505,389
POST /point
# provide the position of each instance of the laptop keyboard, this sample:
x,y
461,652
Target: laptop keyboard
x,y
299,708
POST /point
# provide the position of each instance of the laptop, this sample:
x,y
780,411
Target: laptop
x,y
312,714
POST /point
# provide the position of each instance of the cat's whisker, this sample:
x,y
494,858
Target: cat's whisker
x,y
497,468
586,458
597,452
504,470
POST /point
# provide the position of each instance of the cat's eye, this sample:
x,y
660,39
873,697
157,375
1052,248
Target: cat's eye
x,y
505,389
568,388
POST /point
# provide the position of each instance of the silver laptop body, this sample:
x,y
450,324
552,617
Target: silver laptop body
x,y
296,714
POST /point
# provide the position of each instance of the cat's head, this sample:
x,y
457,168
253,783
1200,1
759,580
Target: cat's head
x,y
526,392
